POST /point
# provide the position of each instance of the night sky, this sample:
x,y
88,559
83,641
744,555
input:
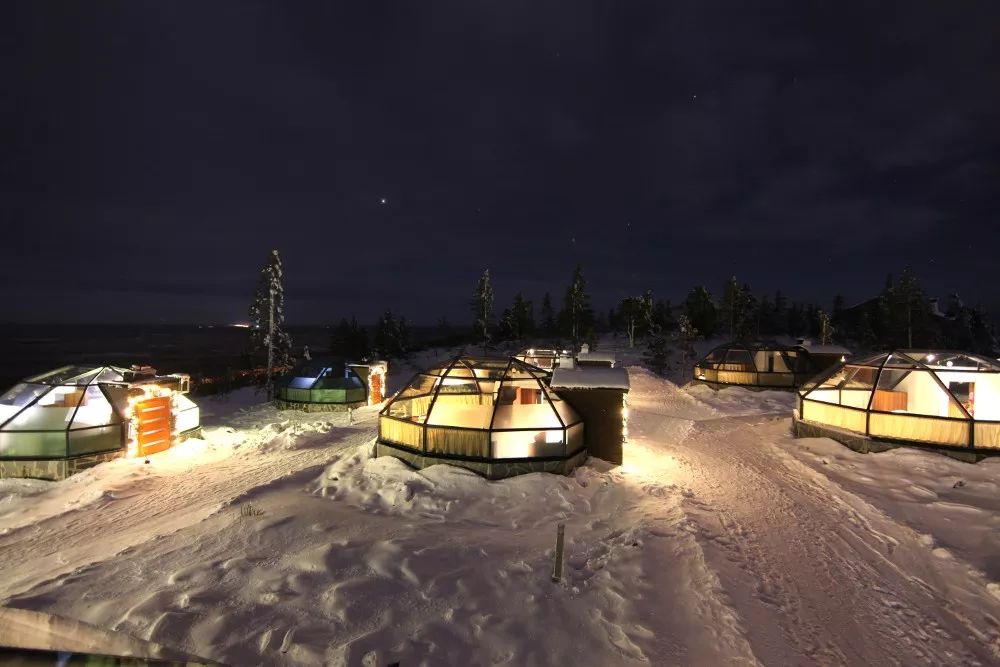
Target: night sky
x,y
154,152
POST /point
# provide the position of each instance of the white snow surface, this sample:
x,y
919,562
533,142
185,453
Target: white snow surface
x,y
722,540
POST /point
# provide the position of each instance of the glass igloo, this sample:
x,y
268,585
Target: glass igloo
x,y
64,412
81,412
496,416
762,365
926,397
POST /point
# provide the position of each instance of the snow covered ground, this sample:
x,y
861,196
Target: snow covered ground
x,y
276,539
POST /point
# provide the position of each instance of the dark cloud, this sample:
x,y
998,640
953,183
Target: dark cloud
x,y
156,151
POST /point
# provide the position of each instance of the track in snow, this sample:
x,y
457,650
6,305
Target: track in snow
x,y
817,574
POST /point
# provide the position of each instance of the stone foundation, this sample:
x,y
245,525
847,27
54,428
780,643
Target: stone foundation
x,y
187,435
866,445
55,469
489,469
317,407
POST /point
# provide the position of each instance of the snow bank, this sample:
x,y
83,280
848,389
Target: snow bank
x,y
955,505
737,401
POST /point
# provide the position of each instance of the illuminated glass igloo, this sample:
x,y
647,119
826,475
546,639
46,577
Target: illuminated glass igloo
x,y
496,416
762,365
330,385
925,397
56,423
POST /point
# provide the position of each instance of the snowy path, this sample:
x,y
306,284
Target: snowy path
x,y
817,573
721,541
138,502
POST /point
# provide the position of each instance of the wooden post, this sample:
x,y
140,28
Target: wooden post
x,y
557,565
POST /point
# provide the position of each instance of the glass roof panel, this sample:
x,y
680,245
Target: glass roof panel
x,y
957,360
94,410
870,360
460,371
67,375
900,360
22,394
110,374
421,385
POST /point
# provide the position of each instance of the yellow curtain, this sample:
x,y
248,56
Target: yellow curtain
x,y
734,377
458,442
402,433
834,415
919,429
987,435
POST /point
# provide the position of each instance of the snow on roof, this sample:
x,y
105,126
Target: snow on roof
x,y
590,378
815,348
595,356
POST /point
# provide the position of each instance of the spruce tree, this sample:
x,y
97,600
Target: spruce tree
x,y
267,318
387,340
663,318
780,316
825,328
630,316
576,315
636,316
729,306
402,336
548,316
700,311
522,317
482,307
686,335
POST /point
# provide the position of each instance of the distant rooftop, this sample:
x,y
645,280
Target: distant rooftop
x,y
590,378
596,356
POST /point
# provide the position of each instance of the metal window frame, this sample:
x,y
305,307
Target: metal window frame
x,y
880,362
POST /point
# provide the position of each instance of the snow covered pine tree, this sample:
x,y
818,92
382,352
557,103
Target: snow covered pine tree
x,y
482,307
267,318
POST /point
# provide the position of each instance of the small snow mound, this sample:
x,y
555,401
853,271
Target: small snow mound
x,y
387,485
737,401
16,487
379,485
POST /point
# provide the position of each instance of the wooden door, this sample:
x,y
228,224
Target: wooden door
x,y
376,383
153,425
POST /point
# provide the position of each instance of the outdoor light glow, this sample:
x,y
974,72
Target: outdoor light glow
x,y
624,418
144,393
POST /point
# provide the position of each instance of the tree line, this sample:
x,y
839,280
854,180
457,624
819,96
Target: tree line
x,y
900,315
